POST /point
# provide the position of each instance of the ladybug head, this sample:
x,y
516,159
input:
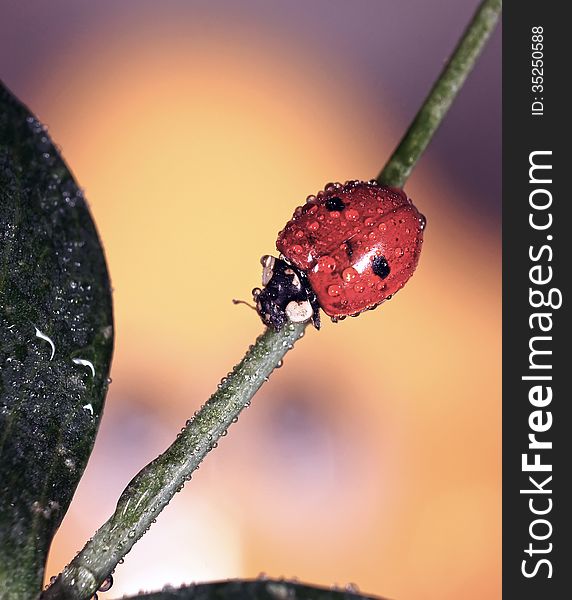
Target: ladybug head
x,y
285,296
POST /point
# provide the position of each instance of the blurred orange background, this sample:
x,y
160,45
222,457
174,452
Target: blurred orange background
x,y
373,455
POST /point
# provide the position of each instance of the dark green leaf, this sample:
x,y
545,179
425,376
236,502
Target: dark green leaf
x,y
259,589
56,340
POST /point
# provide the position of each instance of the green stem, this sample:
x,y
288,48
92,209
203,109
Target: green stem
x,y
429,117
152,489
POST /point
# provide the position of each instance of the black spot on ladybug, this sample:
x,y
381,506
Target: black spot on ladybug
x,y
349,248
380,266
335,203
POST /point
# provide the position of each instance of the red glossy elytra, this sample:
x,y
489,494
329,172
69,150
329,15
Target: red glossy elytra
x,y
345,251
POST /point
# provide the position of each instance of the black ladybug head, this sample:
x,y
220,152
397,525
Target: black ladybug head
x,y
285,296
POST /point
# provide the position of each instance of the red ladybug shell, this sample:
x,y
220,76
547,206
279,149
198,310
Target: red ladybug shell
x,y
358,244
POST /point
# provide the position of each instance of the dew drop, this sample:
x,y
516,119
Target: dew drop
x,y
326,264
83,362
107,584
352,214
314,226
349,274
44,337
334,290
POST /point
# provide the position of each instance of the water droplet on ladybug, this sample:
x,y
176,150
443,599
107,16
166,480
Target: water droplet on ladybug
x,y
422,222
369,222
297,249
352,214
349,274
334,290
299,234
326,263
314,226
359,288
311,198
398,252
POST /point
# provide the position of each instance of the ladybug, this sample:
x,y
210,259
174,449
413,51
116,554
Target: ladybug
x,y
347,250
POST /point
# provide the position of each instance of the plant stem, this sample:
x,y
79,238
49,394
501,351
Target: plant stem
x,y
429,117
152,489
154,486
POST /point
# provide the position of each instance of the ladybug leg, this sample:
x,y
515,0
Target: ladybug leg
x,y
312,299
308,292
316,309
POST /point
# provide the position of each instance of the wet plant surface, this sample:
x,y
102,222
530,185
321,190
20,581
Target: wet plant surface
x,y
55,343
